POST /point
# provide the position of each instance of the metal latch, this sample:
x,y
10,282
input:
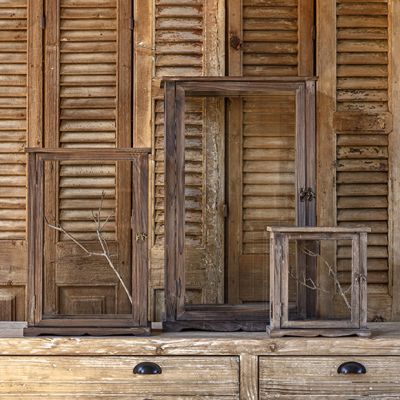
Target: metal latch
x,y
141,236
307,194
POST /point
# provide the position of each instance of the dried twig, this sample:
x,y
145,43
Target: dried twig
x,y
103,243
332,273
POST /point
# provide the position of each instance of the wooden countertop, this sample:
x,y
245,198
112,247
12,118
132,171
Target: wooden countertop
x,y
385,340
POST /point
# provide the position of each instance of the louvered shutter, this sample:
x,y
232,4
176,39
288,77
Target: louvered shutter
x,y
180,45
87,104
276,39
362,127
13,138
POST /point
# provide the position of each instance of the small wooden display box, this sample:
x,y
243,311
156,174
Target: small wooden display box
x,y
306,282
87,241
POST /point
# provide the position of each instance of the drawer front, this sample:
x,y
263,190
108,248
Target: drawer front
x,y
95,377
318,378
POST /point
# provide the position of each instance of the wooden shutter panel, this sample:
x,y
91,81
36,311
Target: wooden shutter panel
x,y
362,126
13,91
88,98
262,188
184,47
13,138
275,36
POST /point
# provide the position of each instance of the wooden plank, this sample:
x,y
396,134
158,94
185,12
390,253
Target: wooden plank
x,y
35,74
209,376
394,144
214,54
306,31
235,162
248,377
142,72
355,122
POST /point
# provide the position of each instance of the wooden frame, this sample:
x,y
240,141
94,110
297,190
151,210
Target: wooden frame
x,y
38,323
280,324
223,317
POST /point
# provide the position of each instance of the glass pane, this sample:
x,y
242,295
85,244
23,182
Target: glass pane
x,y
87,247
320,286
240,157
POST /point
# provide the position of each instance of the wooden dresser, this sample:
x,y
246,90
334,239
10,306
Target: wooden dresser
x,y
199,365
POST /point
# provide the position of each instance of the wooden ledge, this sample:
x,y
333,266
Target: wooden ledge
x,y
385,340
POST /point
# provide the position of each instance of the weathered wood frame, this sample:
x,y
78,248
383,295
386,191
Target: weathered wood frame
x,y
138,323
223,317
280,325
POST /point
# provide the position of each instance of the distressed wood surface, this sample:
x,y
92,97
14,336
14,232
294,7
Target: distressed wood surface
x,y
181,376
317,378
394,144
384,341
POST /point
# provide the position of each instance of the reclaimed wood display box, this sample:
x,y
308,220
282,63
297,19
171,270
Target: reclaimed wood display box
x,y
310,295
257,164
88,220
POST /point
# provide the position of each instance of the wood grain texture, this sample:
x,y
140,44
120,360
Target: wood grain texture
x,y
181,376
317,377
362,113
394,142
72,285
248,377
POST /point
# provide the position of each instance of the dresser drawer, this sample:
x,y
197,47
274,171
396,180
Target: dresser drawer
x,y
106,377
318,378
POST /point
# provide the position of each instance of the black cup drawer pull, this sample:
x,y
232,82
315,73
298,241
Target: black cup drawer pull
x,y
147,368
351,367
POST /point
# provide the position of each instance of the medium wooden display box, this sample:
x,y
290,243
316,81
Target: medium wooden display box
x,y
88,217
318,281
219,260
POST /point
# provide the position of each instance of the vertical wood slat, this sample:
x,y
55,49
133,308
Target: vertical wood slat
x,y
326,141
235,25
124,139
142,73
301,157
234,170
214,37
180,194
140,247
171,244
35,74
394,156
363,280
355,280
32,237
52,74
248,377
306,31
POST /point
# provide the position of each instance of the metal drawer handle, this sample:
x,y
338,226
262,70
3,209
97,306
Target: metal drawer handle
x,y
147,368
351,367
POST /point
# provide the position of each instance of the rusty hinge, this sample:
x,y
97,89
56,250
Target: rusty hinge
x,y
307,194
42,22
235,42
131,23
141,236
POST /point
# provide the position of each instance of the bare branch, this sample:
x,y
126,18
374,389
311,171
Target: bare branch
x,y
103,243
62,230
333,274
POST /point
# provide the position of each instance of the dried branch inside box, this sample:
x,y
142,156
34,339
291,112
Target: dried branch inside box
x,y
239,156
88,217
318,281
